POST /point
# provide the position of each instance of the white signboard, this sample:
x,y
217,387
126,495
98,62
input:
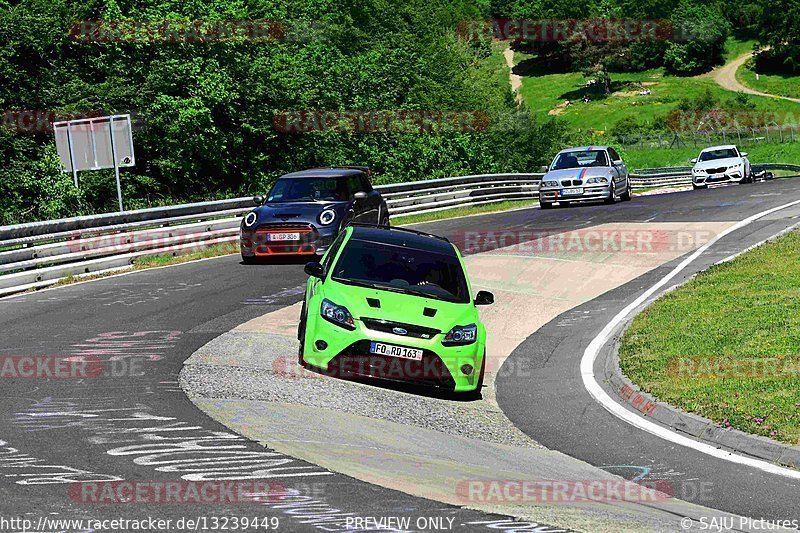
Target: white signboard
x,y
94,144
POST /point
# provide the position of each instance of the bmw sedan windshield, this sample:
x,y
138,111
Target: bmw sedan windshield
x,y
400,269
580,159
307,190
724,153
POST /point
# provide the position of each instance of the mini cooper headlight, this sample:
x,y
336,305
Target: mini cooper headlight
x,y
250,219
337,314
327,216
549,184
461,335
597,180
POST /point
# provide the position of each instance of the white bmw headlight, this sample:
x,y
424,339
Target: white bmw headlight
x,y
549,184
698,171
597,180
250,219
327,216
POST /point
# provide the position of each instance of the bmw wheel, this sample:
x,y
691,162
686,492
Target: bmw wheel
x,y
626,196
612,198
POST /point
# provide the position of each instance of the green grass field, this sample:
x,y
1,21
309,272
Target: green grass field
x,y
788,152
779,84
545,93
727,344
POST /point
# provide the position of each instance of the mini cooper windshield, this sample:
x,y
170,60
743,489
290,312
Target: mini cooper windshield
x,y
308,190
401,269
580,159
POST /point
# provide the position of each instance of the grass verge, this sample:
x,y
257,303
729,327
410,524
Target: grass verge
x,y
461,212
726,345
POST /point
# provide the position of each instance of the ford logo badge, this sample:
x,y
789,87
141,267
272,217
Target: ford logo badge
x,y
400,331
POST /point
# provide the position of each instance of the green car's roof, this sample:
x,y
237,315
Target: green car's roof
x,y
400,237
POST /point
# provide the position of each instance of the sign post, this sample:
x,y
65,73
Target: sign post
x,y
94,144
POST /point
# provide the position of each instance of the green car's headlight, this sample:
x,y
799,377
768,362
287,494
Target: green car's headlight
x,y
461,335
337,314
549,184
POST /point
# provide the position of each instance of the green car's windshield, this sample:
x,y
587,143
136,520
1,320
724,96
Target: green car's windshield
x,y
400,269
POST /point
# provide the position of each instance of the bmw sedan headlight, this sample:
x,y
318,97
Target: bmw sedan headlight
x,y
737,166
698,171
461,335
327,217
250,219
597,180
337,314
549,184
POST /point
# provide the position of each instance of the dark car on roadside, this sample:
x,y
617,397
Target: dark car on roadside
x,y
304,211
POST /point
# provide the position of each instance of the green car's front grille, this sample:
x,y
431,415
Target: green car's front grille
x,y
357,361
411,330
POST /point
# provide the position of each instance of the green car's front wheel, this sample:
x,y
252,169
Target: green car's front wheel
x,y
301,336
479,385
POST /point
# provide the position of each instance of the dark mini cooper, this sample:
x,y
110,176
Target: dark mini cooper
x,y
304,211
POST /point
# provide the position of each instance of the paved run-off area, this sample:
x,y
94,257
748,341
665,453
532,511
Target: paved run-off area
x,y
418,441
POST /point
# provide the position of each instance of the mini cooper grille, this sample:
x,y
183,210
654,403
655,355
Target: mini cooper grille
x,y
284,226
386,326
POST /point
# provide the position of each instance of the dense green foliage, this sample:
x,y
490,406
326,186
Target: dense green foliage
x,y
205,109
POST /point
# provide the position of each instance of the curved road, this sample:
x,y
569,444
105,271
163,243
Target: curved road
x,y
137,425
725,76
554,408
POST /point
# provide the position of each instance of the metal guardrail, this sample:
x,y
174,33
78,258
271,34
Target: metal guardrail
x,y
42,253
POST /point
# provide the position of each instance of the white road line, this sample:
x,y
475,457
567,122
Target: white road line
x,y
616,409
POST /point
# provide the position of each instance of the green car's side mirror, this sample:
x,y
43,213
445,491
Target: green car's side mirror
x,y
315,270
484,298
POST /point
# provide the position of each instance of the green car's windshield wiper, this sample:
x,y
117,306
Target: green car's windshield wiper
x,y
391,288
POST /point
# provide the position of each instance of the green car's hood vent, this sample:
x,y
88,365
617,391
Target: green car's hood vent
x,y
398,307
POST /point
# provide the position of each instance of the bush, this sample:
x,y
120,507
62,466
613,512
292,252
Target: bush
x,y
208,107
700,40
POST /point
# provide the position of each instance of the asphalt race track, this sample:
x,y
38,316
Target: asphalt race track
x,y
136,424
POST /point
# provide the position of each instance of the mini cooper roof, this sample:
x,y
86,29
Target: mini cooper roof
x,y
402,237
327,172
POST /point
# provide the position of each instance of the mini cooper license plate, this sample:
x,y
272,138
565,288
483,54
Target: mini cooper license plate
x,y
571,192
283,236
395,351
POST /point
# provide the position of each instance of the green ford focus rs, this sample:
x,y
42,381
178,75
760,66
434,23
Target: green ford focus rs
x,y
393,304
